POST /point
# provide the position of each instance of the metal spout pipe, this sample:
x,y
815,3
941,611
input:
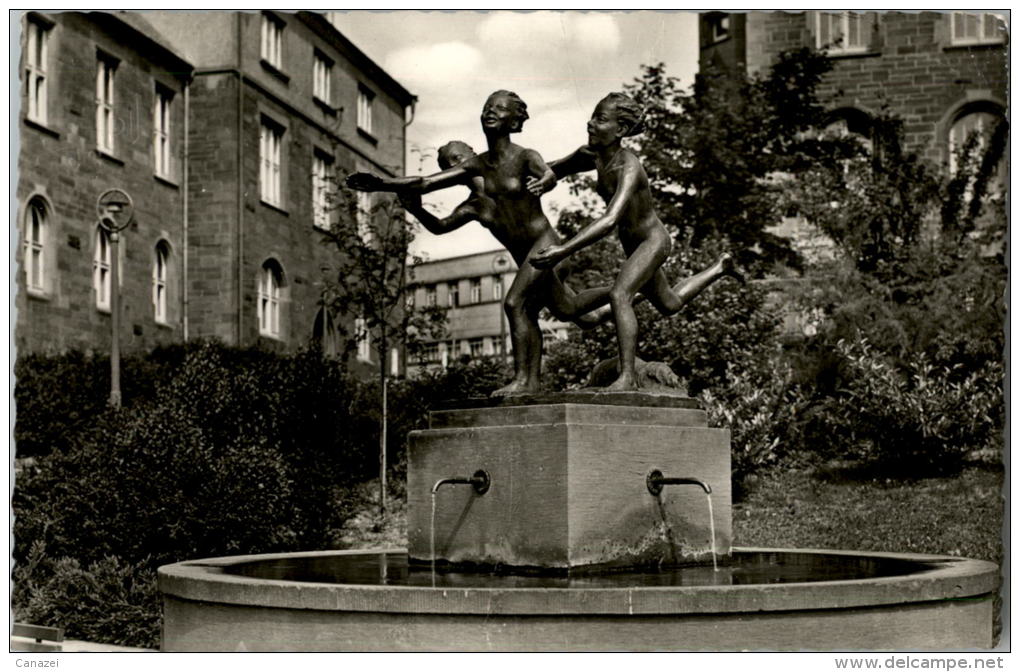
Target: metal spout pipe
x,y
479,481
656,481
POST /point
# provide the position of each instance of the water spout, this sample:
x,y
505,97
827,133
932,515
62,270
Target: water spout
x,y
655,482
479,481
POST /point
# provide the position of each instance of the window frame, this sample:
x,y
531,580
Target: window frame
x,y
162,153
431,296
271,43
160,285
844,21
364,352
106,101
322,76
476,290
102,269
983,18
453,295
36,233
269,299
271,136
322,177
36,79
497,288
366,98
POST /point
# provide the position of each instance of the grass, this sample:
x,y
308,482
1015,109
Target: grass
x,y
960,515
809,508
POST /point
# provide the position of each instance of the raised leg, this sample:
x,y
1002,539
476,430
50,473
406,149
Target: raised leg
x,y
669,301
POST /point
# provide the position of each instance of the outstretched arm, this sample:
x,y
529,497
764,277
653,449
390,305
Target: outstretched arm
x,y
370,182
582,160
460,216
625,190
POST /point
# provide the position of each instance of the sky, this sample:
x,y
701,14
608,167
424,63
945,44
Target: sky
x,y
560,63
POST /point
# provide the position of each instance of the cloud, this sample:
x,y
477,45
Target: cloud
x,y
568,34
596,31
444,62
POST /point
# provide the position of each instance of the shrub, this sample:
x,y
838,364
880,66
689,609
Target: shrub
x,y
759,407
109,601
919,419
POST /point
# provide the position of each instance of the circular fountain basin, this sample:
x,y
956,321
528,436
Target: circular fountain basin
x,y
761,599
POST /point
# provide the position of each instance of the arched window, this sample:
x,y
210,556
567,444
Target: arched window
x,y
101,268
160,262
270,283
972,128
851,122
325,334
36,230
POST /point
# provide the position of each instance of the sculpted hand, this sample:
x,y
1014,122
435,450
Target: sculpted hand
x,y
364,182
548,257
541,185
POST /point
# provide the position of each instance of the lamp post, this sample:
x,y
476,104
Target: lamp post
x,y
116,212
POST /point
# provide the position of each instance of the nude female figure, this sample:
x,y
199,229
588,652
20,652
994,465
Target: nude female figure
x,y
507,181
623,184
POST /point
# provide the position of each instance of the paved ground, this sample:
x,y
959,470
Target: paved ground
x,y
76,646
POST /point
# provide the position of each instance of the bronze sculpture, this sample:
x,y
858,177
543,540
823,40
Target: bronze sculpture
x,y
506,181
623,184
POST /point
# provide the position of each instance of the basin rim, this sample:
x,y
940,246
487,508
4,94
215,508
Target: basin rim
x,y
952,579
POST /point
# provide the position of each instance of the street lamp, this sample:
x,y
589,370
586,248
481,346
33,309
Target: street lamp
x,y
116,211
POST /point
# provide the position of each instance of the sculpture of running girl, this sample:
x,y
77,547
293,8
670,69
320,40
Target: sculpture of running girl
x,y
507,181
623,184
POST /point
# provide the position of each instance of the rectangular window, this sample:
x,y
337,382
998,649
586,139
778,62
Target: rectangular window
x,y
497,288
365,98
476,290
454,295
361,333
322,73
430,295
270,141
105,69
35,70
35,260
841,32
430,353
477,347
269,302
159,285
161,132
322,174
101,269
975,28
272,41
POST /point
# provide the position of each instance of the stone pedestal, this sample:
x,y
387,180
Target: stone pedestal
x,y
568,483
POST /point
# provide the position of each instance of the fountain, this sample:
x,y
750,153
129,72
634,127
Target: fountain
x,y
565,540
578,531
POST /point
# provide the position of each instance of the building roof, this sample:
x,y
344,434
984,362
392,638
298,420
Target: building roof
x,y
326,30
137,24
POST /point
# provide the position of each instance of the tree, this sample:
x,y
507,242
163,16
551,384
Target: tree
x,y
372,291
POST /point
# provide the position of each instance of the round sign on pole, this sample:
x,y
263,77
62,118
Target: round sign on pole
x,y
501,263
115,209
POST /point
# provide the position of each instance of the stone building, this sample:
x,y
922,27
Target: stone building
x,y
471,287
225,129
280,102
102,106
943,73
